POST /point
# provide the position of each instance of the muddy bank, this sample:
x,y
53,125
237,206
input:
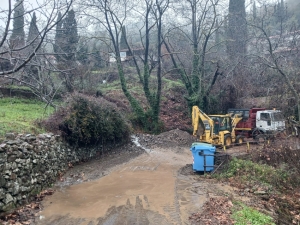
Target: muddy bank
x,y
175,140
100,166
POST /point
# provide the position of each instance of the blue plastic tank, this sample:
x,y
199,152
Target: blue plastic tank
x,y
203,156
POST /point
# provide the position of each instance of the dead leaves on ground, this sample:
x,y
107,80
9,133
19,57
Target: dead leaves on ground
x,y
26,214
215,211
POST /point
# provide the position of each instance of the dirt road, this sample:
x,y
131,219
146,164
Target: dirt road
x,y
141,191
151,188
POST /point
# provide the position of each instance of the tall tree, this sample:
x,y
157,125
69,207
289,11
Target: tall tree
x,y
33,34
70,36
58,36
237,30
18,35
123,44
32,42
68,46
254,11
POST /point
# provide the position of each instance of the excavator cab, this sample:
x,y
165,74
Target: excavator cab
x,y
221,123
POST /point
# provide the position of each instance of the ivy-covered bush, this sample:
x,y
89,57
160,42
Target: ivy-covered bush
x,y
86,120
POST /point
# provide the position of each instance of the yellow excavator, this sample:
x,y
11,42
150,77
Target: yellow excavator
x,y
217,130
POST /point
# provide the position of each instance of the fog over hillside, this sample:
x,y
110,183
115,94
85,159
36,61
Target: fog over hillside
x,y
294,6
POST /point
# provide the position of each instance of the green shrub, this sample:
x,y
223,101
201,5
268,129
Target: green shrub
x,y
88,121
248,215
247,170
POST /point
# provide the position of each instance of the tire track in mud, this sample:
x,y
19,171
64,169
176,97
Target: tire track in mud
x,y
133,214
191,192
141,213
174,210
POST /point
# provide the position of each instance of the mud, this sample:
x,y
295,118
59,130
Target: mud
x,y
145,185
100,166
156,187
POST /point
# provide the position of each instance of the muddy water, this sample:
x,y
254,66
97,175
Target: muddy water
x,y
142,191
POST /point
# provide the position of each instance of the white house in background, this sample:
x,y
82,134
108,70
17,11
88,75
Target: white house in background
x,y
126,55
112,57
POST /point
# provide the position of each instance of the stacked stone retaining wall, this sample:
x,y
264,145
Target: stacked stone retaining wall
x,y
30,163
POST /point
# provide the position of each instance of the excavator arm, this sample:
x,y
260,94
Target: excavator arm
x,y
235,119
200,118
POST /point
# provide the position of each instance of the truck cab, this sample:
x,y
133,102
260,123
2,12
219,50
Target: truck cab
x,y
270,120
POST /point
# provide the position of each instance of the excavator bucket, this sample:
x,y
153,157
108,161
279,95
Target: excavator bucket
x,y
198,124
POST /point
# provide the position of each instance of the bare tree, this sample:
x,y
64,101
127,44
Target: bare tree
x,y
277,54
200,73
113,16
35,51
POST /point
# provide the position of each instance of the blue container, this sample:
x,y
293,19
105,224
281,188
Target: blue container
x,y
203,156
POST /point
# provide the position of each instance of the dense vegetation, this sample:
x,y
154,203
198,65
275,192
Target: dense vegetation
x,y
223,52
85,121
271,173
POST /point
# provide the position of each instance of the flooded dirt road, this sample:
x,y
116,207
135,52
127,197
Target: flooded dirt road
x,y
149,189
142,191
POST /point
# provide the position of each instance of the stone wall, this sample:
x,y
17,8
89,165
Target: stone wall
x,y
30,163
18,92
10,92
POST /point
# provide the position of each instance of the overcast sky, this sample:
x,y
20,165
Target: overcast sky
x,y
30,4
4,3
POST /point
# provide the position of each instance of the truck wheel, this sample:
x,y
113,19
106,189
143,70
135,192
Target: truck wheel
x,y
261,138
255,133
227,140
239,140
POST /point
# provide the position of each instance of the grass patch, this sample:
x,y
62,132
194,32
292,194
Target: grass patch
x,y
277,185
18,115
116,86
246,170
171,84
112,86
18,87
134,86
246,215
